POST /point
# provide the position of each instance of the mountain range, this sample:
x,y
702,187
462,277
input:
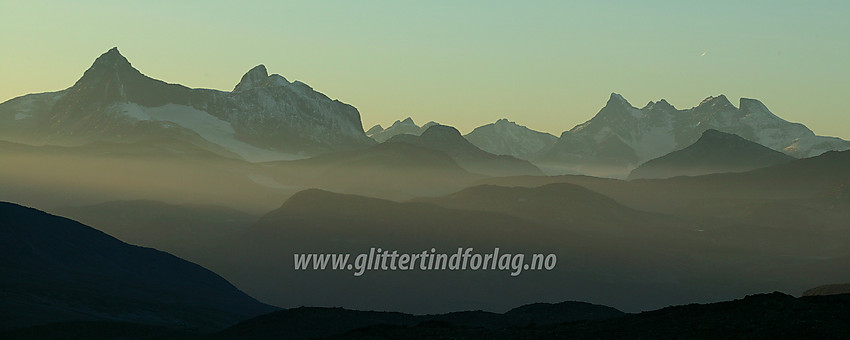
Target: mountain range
x,y
620,137
265,117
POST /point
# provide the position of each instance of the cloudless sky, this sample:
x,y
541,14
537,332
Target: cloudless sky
x,y
548,65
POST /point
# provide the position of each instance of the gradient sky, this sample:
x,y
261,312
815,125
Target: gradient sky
x,y
546,64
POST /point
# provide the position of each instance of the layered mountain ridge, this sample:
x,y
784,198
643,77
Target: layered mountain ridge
x,y
448,140
400,127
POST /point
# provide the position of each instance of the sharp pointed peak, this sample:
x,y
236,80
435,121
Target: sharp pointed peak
x,y
616,96
107,66
408,120
111,58
617,99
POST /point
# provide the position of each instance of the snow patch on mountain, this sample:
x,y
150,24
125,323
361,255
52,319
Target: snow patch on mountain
x,y
209,127
653,142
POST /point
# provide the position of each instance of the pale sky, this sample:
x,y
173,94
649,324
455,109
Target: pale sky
x,y
548,65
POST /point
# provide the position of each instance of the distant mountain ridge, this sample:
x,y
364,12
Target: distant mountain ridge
x,y
264,118
622,136
714,152
406,126
448,140
505,137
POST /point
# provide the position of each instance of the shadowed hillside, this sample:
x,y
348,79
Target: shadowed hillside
x,y
54,269
714,152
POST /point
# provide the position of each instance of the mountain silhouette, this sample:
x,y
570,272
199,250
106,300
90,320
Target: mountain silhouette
x,y
312,322
448,140
714,152
773,315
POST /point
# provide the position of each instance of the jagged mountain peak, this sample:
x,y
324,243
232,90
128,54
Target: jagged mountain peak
x,y
258,76
617,108
112,57
617,99
504,122
111,64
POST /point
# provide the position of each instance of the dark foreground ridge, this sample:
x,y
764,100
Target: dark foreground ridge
x,y
53,269
762,316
